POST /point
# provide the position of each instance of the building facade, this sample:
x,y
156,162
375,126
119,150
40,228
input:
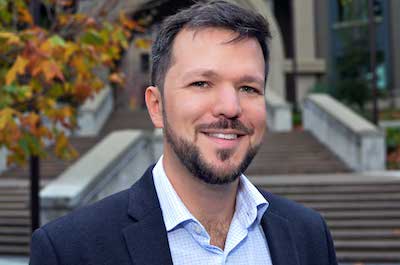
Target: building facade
x,y
307,46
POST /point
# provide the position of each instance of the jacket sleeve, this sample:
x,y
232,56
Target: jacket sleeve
x,y
42,249
330,245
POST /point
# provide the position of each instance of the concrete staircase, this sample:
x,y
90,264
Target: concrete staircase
x,y
15,231
296,152
363,212
14,217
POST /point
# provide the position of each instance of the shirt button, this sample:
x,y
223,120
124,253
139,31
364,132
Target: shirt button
x,y
197,229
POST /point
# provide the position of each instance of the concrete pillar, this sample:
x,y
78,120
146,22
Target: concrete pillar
x,y
305,44
276,78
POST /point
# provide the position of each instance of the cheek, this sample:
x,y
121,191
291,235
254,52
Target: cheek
x,y
193,106
257,115
184,110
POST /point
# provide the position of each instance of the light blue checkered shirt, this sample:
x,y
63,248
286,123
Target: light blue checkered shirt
x,y
189,242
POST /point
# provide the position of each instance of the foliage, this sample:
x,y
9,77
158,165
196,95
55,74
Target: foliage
x,y
320,87
393,147
352,69
389,114
297,119
47,71
353,73
392,138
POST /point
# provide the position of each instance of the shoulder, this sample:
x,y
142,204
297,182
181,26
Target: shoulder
x,y
92,233
110,212
82,235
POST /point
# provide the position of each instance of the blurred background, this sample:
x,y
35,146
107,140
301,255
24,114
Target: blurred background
x,y
74,128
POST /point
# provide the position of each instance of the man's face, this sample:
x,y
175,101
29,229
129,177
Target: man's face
x,y
214,114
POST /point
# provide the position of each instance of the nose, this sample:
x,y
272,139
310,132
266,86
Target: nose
x,y
227,103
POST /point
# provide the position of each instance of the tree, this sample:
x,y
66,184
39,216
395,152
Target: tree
x,y
47,70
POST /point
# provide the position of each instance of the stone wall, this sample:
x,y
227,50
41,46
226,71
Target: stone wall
x,y
111,166
355,140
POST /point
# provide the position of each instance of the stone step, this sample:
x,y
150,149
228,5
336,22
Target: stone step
x,y
13,205
330,182
6,191
365,233
345,197
303,168
373,205
362,224
287,153
14,250
9,230
13,239
386,245
299,151
296,184
7,183
369,257
13,221
14,213
377,214
13,198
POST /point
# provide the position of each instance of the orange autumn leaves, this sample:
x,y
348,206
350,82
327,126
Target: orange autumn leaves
x,y
47,73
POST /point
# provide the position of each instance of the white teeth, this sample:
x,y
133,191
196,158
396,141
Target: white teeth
x,y
224,136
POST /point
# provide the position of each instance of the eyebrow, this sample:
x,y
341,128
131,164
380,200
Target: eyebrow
x,y
251,79
213,74
201,73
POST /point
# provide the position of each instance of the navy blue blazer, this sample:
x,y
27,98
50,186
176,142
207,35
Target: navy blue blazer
x,y
128,228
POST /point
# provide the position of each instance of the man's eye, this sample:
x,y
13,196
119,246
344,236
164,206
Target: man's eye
x,y
200,84
248,89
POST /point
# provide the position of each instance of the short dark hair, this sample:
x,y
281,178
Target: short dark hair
x,y
215,13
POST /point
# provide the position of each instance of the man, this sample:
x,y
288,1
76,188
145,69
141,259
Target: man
x,y
210,65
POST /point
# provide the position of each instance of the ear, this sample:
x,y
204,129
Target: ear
x,y
154,106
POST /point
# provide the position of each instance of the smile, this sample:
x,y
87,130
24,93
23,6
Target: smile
x,y
225,136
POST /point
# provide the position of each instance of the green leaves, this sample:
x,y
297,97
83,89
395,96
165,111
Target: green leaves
x,y
93,38
56,40
30,146
18,93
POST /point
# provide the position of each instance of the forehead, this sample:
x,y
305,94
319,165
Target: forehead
x,y
207,35
216,49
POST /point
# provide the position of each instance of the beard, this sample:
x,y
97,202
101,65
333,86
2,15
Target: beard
x,y
190,156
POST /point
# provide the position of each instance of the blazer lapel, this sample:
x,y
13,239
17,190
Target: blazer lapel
x,y
146,238
279,238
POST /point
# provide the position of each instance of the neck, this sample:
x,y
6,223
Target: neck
x,y
207,202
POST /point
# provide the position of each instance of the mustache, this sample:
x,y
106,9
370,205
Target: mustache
x,y
224,123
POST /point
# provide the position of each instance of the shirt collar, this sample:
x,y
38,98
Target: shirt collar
x,y
173,210
250,204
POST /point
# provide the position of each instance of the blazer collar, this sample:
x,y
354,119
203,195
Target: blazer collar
x,y
146,238
279,238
